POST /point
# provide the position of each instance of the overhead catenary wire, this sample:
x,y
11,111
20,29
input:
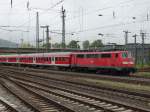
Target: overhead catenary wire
x,y
96,28
30,19
59,2
109,26
124,2
44,12
100,9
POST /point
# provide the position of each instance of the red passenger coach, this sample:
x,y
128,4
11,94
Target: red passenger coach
x,y
99,61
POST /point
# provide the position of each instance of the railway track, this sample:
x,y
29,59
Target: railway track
x,y
38,102
147,69
6,107
13,101
78,102
39,82
133,79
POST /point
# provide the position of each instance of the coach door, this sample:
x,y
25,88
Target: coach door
x,y
53,60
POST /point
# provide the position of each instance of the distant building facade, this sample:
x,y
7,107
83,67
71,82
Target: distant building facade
x,y
140,52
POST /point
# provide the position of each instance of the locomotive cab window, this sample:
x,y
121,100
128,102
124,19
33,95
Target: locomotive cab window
x,y
105,55
124,55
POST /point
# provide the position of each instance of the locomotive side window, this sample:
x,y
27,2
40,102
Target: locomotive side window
x,y
92,55
80,56
105,55
116,55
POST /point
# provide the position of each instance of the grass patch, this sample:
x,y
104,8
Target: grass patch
x,y
139,66
145,74
118,84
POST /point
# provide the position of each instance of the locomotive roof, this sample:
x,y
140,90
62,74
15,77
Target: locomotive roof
x,y
98,52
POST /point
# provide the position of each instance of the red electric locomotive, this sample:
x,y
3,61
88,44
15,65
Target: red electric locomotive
x,y
119,61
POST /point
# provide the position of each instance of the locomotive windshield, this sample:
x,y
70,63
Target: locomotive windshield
x,y
124,55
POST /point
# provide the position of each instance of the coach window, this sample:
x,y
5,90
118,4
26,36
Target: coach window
x,y
49,58
63,59
67,59
44,59
56,58
53,59
105,55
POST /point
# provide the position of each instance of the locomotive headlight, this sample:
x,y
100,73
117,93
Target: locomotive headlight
x,y
124,62
131,62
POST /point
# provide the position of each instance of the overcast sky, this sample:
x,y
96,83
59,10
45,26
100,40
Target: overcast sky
x,y
81,19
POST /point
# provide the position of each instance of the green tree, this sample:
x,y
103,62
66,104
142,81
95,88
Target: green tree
x,y
74,44
96,44
45,45
86,44
56,45
26,45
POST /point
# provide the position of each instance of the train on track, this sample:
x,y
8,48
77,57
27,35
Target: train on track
x,y
110,61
